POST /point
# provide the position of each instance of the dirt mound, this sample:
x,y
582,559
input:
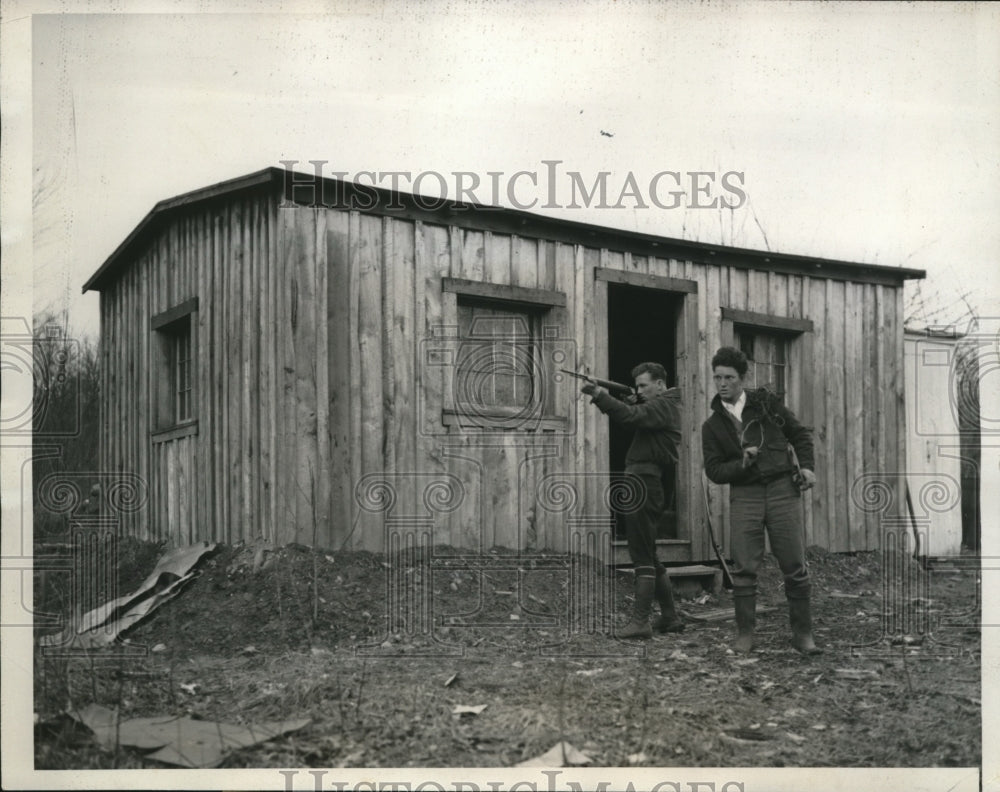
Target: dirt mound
x,y
378,652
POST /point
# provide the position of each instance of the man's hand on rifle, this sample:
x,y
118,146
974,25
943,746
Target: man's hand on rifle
x,y
592,389
806,479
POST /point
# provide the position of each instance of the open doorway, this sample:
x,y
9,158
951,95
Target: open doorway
x,y
642,326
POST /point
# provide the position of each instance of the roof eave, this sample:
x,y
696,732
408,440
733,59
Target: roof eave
x,y
167,205
520,222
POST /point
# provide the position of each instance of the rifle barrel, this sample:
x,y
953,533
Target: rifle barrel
x,y
610,385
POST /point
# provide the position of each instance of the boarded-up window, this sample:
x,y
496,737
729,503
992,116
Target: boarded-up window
x,y
768,357
497,360
503,357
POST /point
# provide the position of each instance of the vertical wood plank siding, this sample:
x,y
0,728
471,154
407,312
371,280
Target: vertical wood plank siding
x,y
311,373
215,484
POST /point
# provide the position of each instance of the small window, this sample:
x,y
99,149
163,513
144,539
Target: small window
x,y
180,365
172,384
768,357
496,367
506,348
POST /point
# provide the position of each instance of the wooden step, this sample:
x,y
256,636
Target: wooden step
x,y
695,576
691,570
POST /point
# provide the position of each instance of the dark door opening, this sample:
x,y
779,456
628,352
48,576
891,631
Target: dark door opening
x,y
642,326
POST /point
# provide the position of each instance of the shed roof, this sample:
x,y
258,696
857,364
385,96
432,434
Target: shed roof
x,y
303,189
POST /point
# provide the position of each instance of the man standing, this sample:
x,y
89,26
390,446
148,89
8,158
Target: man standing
x,y
655,417
747,443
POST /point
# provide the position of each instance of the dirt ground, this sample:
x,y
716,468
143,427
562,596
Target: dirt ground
x,y
266,634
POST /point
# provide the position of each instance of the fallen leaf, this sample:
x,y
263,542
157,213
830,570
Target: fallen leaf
x,y
855,673
637,758
461,709
560,755
450,680
744,736
795,737
589,672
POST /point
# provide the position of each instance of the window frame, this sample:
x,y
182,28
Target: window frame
x,y
168,418
780,341
540,307
795,333
501,347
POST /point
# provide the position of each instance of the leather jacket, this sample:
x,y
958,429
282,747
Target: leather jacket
x,y
767,424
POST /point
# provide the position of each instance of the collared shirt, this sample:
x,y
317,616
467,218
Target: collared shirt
x,y
736,409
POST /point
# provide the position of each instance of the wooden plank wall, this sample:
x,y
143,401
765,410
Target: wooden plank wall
x,y
311,375
384,301
217,484
846,388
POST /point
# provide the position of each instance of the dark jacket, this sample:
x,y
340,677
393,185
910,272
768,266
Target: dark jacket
x,y
657,425
768,424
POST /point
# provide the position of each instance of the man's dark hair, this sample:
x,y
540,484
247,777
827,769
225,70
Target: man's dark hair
x,y
655,371
733,358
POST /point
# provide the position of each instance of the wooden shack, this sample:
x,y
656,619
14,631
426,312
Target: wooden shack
x,y
289,358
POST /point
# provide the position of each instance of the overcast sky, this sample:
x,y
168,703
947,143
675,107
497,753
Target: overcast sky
x,y
862,132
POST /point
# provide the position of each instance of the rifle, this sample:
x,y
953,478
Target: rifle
x,y
609,385
727,576
797,475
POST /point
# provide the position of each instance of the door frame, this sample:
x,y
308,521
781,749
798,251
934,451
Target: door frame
x,y
681,548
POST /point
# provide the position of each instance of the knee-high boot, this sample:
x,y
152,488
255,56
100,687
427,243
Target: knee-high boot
x,y
645,586
800,618
669,621
745,606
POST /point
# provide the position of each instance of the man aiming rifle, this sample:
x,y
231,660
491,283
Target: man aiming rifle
x,y
654,415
